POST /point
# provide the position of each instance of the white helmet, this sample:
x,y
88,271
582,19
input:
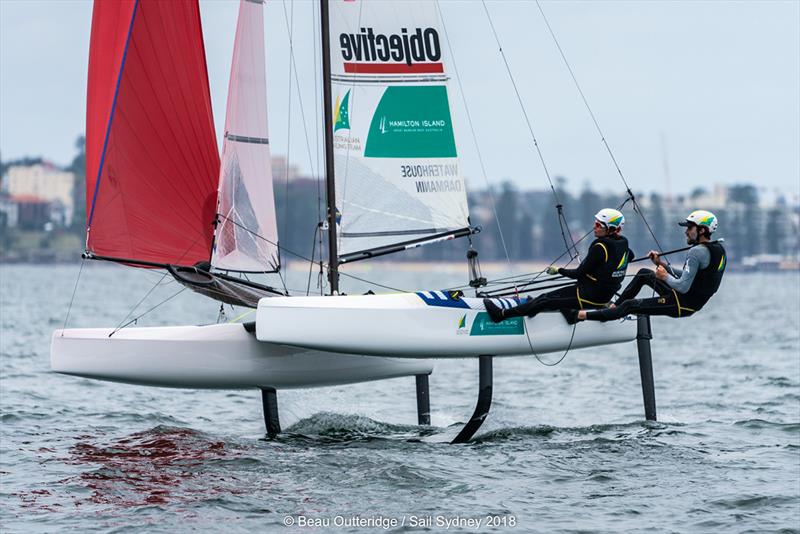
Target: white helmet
x,y
610,218
701,218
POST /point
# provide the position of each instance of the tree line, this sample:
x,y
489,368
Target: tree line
x,y
525,225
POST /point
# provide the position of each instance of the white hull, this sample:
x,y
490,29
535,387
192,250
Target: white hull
x,y
423,325
221,356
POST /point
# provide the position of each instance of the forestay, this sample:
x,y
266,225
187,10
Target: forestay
x,y
246,238
396,164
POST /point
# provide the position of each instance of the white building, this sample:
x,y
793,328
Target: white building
x,y
47,182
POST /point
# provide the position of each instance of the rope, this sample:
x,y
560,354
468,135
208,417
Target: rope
x,y
559,204
241,316
538,358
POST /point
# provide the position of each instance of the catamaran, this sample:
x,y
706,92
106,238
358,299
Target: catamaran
x,y
159,196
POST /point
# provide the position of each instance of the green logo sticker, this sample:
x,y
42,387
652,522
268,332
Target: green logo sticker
x,y
462,325
412,122
484,326
341,116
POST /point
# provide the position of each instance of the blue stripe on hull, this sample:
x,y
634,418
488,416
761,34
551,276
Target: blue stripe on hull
x,y
443,299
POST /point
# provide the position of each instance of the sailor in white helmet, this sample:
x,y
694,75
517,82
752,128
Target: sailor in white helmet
x,y
681,293
598,277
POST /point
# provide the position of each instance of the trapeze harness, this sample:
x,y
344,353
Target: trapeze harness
x,y
599,277
669,302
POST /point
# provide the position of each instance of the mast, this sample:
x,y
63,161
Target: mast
x,y
330,186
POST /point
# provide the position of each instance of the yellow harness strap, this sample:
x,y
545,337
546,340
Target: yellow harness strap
x,y
581,300
678,302
605,250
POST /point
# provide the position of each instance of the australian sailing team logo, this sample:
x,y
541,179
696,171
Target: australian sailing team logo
x,y
341,121
622,266
412,51
462,325
341,115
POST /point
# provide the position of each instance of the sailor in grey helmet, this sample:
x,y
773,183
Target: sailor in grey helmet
x,y
684,291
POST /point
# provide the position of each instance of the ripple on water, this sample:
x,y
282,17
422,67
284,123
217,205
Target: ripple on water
x,y
761,424
81,455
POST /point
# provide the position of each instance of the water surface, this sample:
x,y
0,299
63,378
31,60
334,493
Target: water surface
x,y
565,448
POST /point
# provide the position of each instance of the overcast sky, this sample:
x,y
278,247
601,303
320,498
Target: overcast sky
x,y
710,88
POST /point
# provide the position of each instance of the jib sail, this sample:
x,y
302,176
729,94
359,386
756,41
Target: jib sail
x,y
247,236
152,160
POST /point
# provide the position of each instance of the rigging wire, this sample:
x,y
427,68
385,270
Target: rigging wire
x,y
297,84
474,135
283,282
315,164
158,283
352,102
302,257
72,299
559,204
120,325
636,207
311,263
286,206
318,111
118,328
515,280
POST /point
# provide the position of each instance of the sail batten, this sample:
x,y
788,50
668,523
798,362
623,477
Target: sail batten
x,y
246,238
152,160
395,156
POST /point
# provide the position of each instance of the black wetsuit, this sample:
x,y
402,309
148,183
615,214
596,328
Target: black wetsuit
x,y
599,277
669,302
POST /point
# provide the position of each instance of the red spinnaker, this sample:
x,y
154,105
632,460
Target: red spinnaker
x,y
152,162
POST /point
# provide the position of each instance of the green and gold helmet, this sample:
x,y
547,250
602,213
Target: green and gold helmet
x,y
701,218
610,218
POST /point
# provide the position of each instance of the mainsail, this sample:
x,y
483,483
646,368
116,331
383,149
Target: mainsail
x,y
247,234
152,160
396,164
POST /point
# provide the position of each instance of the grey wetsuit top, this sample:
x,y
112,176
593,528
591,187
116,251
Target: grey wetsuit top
x,y
697,258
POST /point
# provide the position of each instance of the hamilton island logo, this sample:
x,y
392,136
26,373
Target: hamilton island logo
x,y
341,115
